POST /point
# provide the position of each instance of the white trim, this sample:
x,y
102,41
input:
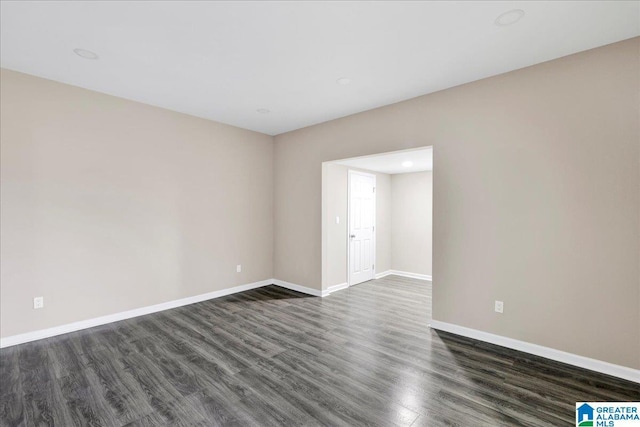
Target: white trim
x,y
334,288
102,320
538,350
404,274
110,318
325,225
383,274
300,288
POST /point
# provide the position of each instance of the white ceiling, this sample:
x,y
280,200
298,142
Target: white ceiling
x,y
224,60
391,163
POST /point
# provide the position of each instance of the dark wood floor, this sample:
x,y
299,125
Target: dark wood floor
x,y
363,356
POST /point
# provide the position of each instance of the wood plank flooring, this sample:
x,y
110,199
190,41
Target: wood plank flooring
x,y
273,357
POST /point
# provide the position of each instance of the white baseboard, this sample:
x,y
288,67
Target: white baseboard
x,y
403,274
538,350
110,318
102,320
383,274
300,288
334,288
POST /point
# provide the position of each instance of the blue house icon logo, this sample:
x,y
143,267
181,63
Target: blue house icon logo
x,y
584,415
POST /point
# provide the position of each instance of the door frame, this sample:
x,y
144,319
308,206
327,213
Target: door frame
x,y
350,173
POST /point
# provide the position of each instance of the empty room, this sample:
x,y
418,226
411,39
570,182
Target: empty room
x,y
320,213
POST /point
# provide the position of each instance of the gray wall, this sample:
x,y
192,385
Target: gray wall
x,y
110,205
411,213
535,199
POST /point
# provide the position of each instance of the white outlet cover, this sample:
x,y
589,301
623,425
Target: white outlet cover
x,y
499,306
38,302
337,220
238,268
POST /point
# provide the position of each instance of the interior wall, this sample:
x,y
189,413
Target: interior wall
x,y
411,218
536,199
110,205
336,205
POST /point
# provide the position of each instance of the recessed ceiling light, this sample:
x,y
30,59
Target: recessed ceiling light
x,y
263,110
510,17
343,81
407,164
84,53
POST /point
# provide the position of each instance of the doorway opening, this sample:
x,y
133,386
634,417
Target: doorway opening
x,y
377,218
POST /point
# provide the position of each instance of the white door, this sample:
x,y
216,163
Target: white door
x,y
362,220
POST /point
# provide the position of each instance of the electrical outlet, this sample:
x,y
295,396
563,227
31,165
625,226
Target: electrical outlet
x,y
499,306
38,302
337,220
238,268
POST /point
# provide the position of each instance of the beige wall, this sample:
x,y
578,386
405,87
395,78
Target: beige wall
x,y
535,199
411,213
110,205
336,204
